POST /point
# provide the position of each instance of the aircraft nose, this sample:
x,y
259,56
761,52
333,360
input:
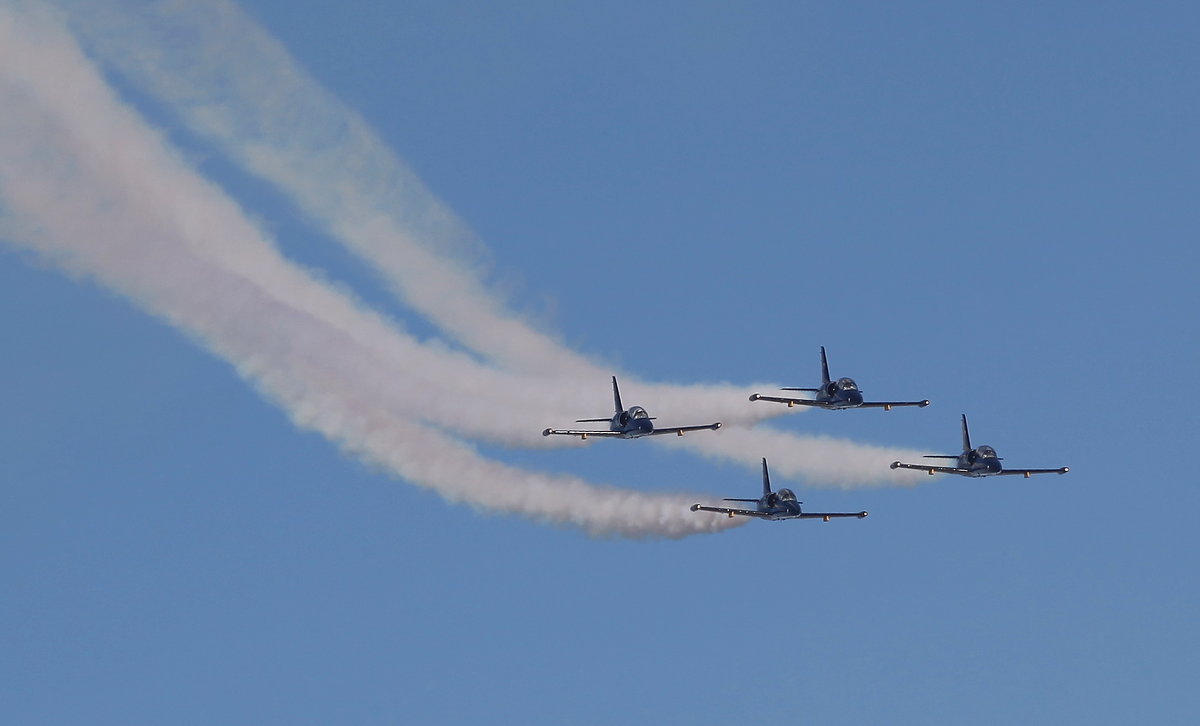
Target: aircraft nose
x,y
855,398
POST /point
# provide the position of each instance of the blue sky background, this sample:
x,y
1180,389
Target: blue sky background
x,y
991,207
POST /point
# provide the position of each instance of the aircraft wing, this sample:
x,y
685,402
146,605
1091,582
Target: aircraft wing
x,y
680,430
790,401
931,469
1029,472
728,510
828,515
890,404
580,434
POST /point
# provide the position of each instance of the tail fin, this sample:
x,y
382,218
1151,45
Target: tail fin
x,y
824,368
966,434
766,479
617,397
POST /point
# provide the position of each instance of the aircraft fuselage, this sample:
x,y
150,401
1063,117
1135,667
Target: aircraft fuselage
x,y
631,428
840,394
779,505
632,423
786,510
980,464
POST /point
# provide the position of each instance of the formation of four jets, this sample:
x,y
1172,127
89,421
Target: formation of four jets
x,y
634,422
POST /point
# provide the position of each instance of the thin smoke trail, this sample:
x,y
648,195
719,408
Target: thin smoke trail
x,y
427,381
233,83
67,194
227,236
198,55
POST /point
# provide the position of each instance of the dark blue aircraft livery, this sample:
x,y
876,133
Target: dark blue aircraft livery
x,y
774,506
980,461
631,423
834,395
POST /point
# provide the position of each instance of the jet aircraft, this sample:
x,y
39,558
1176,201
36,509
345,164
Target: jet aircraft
x,y
631,423
980,461
834,395
774,506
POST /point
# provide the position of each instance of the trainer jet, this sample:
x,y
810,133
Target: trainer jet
x,y
981,461
774,505
834,395
628,423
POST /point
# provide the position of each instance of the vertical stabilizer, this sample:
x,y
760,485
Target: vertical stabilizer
x,y
824,368
966,434
766,479
617,397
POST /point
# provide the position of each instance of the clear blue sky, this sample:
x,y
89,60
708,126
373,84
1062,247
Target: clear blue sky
x,y
989,206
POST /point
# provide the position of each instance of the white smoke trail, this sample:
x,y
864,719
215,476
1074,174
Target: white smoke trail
x,y
233,83
427,381
73,176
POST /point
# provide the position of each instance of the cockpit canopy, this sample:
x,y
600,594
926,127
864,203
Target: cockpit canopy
x,y
639,412
847,384
786,495
986,452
